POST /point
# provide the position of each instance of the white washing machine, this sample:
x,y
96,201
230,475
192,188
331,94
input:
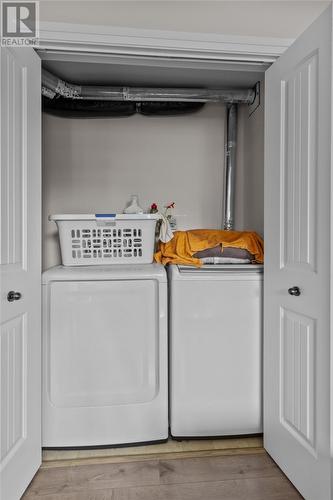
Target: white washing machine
x,y
215,328
104,355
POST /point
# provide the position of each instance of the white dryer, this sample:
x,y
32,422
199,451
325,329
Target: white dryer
x,y
104,355
215,350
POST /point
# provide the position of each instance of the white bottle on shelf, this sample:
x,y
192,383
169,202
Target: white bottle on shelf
x,y
134,207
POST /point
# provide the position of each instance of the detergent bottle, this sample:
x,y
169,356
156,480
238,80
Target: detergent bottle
x,y
133,207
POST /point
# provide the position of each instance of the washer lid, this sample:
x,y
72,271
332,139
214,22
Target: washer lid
x,y
108,272
222,268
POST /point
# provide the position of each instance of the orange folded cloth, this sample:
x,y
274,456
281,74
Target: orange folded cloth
x,y
184,244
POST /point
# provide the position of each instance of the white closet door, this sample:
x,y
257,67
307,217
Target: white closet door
x,y
297,248
20,271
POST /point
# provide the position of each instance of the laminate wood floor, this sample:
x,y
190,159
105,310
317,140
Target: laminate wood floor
x,y
171,448
248,476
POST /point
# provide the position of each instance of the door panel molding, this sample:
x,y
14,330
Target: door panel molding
x,y
14,166
297,376
299,126
13,362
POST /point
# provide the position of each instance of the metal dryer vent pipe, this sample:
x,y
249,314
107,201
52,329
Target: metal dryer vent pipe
x,y
52,86
230,173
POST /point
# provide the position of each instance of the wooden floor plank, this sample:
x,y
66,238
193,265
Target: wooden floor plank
x,y
246,489
171,446
231,477
240,489
194,470
154,456
72,480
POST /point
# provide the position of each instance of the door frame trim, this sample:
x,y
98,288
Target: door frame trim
x,y
155,44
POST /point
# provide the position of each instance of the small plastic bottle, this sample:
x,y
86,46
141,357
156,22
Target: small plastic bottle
x,y
134,207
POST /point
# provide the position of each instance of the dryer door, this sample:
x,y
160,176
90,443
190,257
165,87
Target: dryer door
x,y
101,344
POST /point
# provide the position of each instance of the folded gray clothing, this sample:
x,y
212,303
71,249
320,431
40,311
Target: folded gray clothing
x,y
233,253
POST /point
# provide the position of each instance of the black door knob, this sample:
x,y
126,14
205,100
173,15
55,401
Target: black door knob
x,y
11,296
295,291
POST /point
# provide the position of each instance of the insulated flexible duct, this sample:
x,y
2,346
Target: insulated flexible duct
x,y
85,108
52,86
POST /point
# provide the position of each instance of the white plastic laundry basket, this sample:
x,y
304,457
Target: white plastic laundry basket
x,y
88,239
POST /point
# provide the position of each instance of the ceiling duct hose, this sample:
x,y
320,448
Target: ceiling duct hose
x,y
51,83
168,108
80,108
188,95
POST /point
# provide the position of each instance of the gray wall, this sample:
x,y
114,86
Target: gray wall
x,y
95,165
251,179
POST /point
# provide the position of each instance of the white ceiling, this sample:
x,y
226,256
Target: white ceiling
x,y
129,71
